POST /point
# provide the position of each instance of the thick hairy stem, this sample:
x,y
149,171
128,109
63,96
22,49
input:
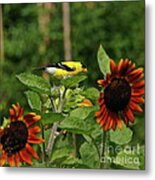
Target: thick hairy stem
x,y
53,134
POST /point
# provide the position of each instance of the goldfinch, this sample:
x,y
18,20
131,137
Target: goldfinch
x,y
64,69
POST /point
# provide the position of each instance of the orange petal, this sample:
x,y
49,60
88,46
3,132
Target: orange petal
x,y
33,139
17,159
25,156
136,71
31,118
113,67
139,84
137,99
11,161
120,65
136,77
32,151
139,91
2,160
34,130
129,114
135,107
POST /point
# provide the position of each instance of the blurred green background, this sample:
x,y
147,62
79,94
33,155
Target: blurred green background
x,y
33,36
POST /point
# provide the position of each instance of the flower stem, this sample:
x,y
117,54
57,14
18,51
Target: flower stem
x,y
104,154
53,135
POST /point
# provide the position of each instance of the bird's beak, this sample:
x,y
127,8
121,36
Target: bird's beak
x,y
85,70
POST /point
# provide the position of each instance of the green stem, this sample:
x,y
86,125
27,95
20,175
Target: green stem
x,y
43,144
53,135
104,150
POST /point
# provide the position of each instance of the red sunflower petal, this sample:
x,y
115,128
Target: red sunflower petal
x,y
136,71
135,107
33,139
113,67
17,159
25,156
16,112
137,99
120,65
139,91
32,151
135,77
31,118
11,160
138,84
34,130
129,114
3,159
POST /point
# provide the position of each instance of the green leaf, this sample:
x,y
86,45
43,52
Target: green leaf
x,y
130,158
91,93
74,125
33,100
103,61
34,82
51,117
73,81
121,136
83,113
81,121
60,154
89,155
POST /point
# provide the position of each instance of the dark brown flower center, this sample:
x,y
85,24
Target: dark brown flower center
x,y
117,94
14,138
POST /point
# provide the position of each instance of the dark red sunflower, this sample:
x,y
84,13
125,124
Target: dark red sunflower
x,y
17,137
122,94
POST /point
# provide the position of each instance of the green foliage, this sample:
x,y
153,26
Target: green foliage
x,y
103,61
121,136
34,100
34,82
78,139
89,155
73,81
91,93
131,159
51,117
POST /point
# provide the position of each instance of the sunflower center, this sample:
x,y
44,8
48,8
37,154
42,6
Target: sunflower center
x,y
14,138
117,94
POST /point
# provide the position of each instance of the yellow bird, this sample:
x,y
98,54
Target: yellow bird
x,y
64,69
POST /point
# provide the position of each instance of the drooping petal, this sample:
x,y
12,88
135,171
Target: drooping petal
x,y
11,161
32,151
135,107
129,114
25,156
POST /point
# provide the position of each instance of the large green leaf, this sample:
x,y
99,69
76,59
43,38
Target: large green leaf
x,y
81,121
51,117
34,82
74,125
73,81
83,113
33,100
121,136
89,155
91,93
103,61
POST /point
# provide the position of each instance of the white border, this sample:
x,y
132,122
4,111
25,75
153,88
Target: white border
x,y
70,174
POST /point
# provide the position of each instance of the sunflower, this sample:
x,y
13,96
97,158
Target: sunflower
x,y
122,94
17,136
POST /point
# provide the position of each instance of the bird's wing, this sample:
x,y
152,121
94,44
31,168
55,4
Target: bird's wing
x,y
61,66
